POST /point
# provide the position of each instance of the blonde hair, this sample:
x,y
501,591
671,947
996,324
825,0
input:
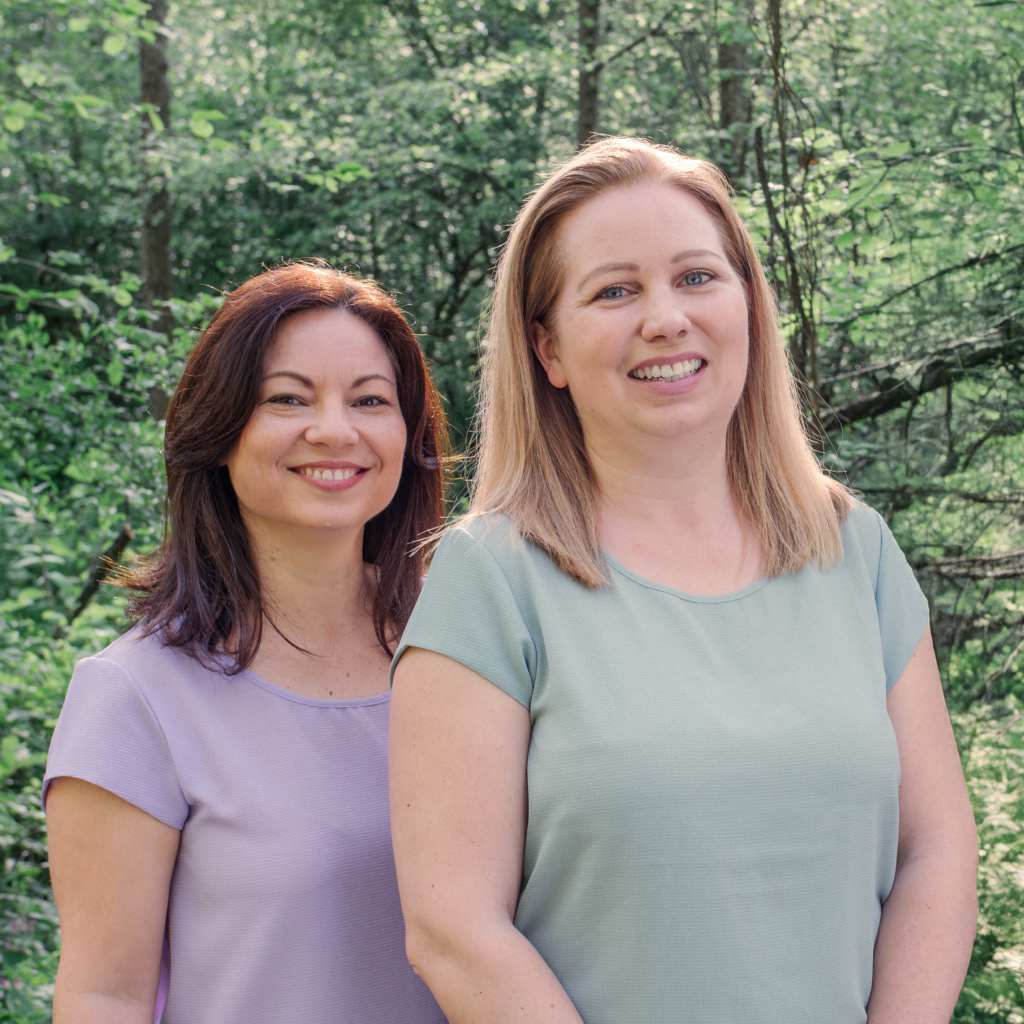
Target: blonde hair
x,y
531,460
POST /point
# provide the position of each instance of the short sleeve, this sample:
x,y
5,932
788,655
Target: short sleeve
x,y
469,613
108,735
902,607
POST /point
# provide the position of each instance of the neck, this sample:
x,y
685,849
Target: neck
x,y
674,483
666,510
316,591
314,579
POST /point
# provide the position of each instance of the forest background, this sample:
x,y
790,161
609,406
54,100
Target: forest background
x,y
154,155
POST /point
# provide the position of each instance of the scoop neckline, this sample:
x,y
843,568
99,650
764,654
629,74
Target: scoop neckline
x,y
317,702
736,595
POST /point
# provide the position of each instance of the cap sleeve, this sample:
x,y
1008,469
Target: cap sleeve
x,y
901,604
468,612
108,735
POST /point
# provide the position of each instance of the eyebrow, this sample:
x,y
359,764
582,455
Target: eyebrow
x,y
678,258
358,382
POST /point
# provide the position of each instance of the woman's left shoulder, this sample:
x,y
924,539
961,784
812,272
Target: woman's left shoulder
x,y
865,536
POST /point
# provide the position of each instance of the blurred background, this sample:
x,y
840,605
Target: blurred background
x,y
154,155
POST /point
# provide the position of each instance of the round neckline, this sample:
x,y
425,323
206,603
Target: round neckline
x,y
736,595
317,702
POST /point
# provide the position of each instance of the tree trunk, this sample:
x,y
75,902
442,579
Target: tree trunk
x,y
590,71
733,97
157,276
157,279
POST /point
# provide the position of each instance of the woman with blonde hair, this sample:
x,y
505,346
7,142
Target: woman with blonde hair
x,y
668,737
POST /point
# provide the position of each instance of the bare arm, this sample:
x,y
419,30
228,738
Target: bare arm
x,y
111,866
927,927
458,816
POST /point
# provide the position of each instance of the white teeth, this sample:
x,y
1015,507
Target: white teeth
x,y
329,474
673,372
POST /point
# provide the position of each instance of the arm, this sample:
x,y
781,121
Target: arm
x,y
458,748
927,927
111,866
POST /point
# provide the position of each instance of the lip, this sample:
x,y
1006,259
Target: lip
x,y
329,485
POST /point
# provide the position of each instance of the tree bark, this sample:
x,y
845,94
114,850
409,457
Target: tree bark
x,y
157,256
590,71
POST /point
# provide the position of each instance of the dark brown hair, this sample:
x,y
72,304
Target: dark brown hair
x,y
201,590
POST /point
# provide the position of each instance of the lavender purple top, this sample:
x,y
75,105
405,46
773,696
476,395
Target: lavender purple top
x,y
284,904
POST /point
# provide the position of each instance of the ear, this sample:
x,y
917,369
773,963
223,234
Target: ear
x,y
545,347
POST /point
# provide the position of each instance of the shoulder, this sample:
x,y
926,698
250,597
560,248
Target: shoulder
x,y
489,544
862,532
141,659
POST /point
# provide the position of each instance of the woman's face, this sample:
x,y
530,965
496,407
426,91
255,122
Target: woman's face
x,y
649,331
324,447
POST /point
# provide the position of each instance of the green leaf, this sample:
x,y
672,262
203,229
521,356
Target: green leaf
x,y
115,370
78,24
201,128
847,239
14,122
896,149
54,200
122,297
207,115
156,121
30,75
113,45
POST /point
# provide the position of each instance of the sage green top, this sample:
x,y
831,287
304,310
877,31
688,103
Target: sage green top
x,y
712,780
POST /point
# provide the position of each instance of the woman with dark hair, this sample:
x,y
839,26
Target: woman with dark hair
x,y
217,782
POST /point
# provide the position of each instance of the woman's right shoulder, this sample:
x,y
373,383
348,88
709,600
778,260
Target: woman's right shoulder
x,y
484,535
140,655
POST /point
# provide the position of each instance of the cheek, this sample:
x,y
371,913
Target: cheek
x,y
391,447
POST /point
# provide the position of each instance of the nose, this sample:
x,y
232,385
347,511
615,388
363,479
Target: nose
x,y
664,316
333,425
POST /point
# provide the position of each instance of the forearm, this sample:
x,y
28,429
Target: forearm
x,y
924,940
489,975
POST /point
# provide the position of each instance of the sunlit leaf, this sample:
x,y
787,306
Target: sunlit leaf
x,y
113,45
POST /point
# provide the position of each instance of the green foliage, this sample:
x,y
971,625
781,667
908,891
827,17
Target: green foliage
x,y
880,166
991,740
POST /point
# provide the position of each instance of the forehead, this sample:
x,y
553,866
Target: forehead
x,y
325,340
634,220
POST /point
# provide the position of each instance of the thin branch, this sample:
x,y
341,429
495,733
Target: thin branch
x,y
974,261
100,571
934,372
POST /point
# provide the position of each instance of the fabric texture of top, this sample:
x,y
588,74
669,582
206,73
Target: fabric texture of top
x,y
712,781
284,902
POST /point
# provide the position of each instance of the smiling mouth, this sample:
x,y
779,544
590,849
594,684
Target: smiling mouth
x,y
329,474
668,371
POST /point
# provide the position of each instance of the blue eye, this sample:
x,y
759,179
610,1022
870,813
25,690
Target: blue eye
x,y
696,277
616,291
